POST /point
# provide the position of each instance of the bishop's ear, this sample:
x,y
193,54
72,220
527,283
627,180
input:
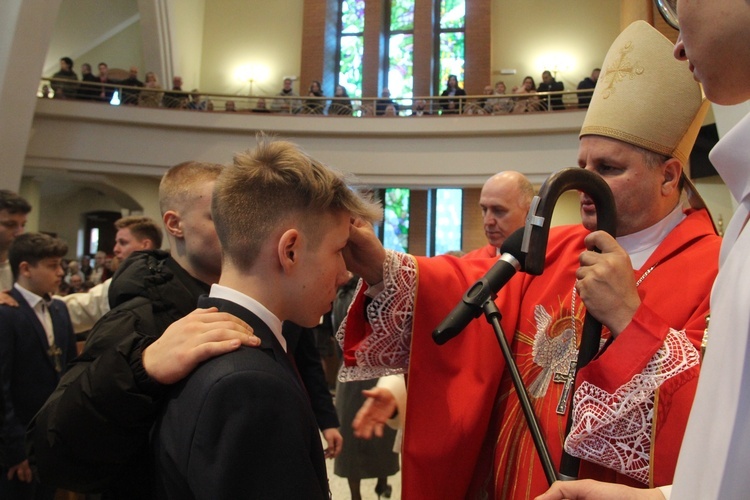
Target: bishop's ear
x,y
288,249
672,173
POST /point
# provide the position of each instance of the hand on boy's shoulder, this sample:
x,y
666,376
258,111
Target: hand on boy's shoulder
x,y
7,299
201,335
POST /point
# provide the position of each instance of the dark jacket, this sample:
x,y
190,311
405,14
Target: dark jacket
x,y
65,90
89,88
92,433
27,368
454,99
240,426
556,100
584,98
301,342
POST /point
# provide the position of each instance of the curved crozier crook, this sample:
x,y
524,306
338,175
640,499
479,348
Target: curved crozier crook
x,y
538,220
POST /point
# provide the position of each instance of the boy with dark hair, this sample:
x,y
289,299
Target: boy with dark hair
x,y
36,344
241,425
13,213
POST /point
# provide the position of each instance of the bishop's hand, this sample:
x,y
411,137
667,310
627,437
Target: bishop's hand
x,y
605,282
364,254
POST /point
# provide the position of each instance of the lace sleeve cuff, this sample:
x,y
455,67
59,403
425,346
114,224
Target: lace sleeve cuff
x,y
614,430
386,350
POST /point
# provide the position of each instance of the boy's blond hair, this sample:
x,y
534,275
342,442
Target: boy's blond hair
x,y
274,183
177,187
142,228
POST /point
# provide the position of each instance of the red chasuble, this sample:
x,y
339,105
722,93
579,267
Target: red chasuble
x,y
465,435
486,252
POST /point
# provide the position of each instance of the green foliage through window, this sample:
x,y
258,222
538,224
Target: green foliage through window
x,y
401,65
350,72
353,16
452,14
451,57
451,51
396,224
402,15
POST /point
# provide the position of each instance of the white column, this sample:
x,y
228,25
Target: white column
x,y
25,31
157,41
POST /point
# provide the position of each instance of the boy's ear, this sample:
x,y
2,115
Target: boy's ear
x,y
23,268
173,223
288,249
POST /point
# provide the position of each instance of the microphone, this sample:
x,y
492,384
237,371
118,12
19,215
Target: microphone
x,y
510,262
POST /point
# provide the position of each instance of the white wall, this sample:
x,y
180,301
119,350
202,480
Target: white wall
x,y
576,34
120,50
187,38
263,36
83,29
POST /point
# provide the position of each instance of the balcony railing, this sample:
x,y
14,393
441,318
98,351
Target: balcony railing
x,y
474,105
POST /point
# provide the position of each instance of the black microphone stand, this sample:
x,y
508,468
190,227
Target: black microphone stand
x,y
493,316
534,245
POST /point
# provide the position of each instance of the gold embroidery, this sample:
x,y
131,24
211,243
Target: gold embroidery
x,y
623,68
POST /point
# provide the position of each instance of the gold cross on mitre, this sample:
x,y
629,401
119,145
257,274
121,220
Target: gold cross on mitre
x,y
621,69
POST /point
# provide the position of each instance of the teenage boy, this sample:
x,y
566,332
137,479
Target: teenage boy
x,y
241,425
36,344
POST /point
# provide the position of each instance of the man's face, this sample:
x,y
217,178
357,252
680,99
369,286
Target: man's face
x,y
201,242
547,77
44,277
99,259
177,82
635,185
595,75
500,88
126,243
103,70
76,281
11,225
501,211
287,84
714,38
321,271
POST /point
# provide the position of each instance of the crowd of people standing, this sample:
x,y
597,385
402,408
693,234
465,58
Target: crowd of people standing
x,y
453,100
